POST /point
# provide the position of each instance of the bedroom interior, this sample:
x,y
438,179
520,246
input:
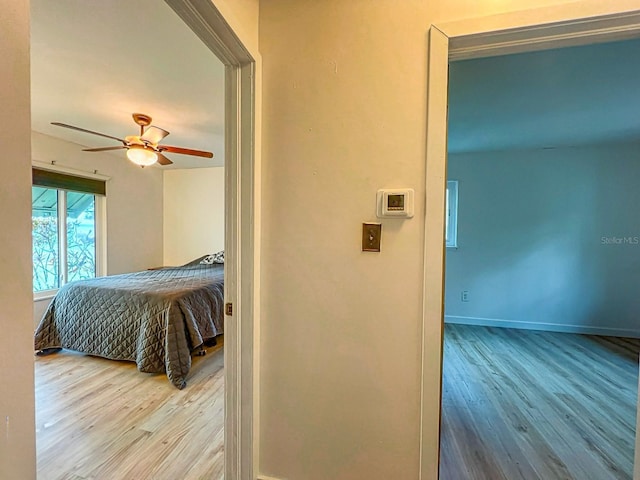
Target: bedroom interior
x,y
540,299
156,217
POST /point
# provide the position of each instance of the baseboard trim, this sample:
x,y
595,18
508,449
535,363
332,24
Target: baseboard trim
x,y
264,477
550,327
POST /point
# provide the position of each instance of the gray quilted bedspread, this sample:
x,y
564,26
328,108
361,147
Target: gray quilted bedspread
x,y
155,318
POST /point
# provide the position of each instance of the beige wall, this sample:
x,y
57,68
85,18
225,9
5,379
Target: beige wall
x,y
441,11
193,213
344,109
17,432
343,115
242,15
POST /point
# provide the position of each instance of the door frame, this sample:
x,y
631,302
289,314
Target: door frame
x,y
241,234
566,25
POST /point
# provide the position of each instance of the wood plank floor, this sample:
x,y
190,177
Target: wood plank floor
x,y
521,404
102,419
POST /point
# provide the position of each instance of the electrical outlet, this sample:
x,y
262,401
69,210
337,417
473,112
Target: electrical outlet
x,y
464,296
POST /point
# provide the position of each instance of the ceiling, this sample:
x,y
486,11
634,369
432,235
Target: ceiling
x,y
95,63
555,98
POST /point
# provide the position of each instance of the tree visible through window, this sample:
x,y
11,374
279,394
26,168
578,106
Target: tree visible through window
x,y
62,255
81,236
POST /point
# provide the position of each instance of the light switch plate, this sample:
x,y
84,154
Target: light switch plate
x,y
371,234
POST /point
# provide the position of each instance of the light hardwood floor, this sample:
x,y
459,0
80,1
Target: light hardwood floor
x,y
104,420
531,405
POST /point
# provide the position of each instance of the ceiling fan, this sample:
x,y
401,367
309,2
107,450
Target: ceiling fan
x,y
143,149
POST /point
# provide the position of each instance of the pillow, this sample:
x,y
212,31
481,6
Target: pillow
x,y
195,262
213,258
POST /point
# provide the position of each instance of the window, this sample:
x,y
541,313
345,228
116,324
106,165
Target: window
x,y
64,229
451,214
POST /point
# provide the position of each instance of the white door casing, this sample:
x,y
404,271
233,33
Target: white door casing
x,y
241,234
539,29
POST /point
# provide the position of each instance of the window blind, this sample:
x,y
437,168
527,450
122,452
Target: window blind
x,y
48,178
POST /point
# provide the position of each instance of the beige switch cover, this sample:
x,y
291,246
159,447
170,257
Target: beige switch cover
x,y
371,233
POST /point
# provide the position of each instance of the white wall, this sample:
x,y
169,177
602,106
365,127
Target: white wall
x,y
193,213
134,204
17,427
547,239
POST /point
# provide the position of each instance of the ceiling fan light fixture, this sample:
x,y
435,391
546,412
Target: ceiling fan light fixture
x,y
143,149
141,155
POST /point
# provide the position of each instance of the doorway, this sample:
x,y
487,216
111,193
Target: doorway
x,y
240,239
535,304
507,34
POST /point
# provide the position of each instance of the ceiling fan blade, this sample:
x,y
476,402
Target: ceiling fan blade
x,y
162,160
185,151
154,134
58,124
102,149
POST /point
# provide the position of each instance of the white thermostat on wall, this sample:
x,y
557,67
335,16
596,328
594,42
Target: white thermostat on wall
x,y
396,202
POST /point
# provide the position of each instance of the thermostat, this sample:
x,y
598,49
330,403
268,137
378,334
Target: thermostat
x,y
395,202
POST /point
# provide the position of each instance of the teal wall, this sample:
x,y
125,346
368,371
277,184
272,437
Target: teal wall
x,y
541,240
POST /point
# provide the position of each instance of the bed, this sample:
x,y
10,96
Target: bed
x,y
156,318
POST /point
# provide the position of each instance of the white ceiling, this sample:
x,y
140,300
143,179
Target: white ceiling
x,y
554,98
94,63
